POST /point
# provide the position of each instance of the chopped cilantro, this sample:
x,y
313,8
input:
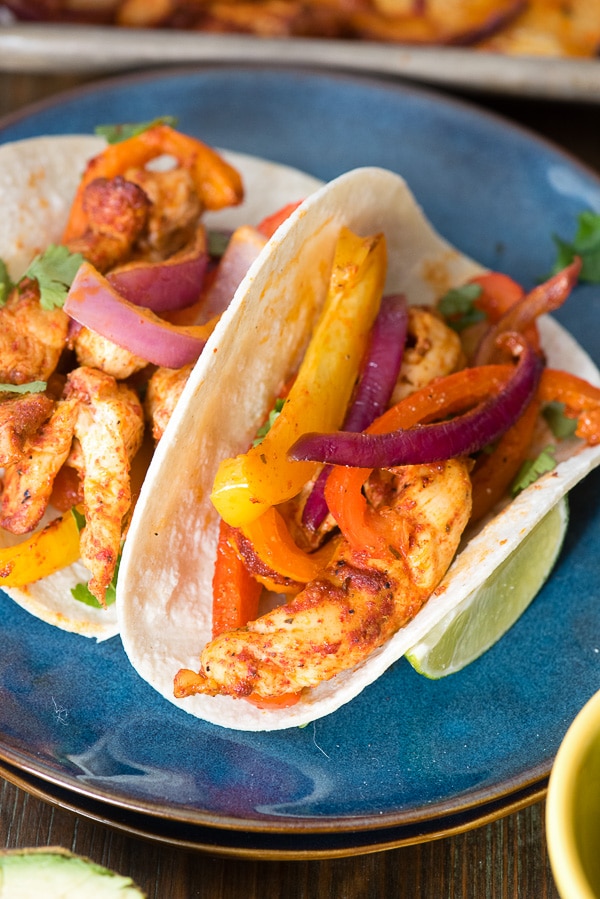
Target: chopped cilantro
x,y
264,430
560,425
217,243
586,244
114,134
54,271
79,518
6,284
30,387
458,306
532,469
82,593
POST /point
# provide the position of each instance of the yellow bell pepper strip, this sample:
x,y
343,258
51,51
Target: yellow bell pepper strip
x,y
218,184
247,485
54,547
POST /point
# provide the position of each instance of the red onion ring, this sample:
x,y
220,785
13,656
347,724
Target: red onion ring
x,y
93,302
164,286
380,369
463,435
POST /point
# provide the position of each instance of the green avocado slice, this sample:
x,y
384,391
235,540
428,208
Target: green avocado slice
x,y
55,873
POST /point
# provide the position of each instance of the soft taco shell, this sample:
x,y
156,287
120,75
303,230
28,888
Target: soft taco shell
x,y
38,180
164,590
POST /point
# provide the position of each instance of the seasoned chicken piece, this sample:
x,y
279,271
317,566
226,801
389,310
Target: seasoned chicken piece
x,y
117,211
108,429
28,481
357,603
31,338
174,212
164,389
20,418
432,351
96,351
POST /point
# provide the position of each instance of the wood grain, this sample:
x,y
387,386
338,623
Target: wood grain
x,y
504,859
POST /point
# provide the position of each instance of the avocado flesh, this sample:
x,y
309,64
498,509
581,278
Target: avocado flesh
x,y
58,874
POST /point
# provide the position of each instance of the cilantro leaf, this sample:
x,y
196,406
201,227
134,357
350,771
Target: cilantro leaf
x,y
54,271
560,424
81,592
458,306
6,283
79,518
586,244
114,134
217,242
29,387
264,430
532,469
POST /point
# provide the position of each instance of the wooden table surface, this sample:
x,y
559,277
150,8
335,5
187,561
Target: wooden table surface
x,y
502,859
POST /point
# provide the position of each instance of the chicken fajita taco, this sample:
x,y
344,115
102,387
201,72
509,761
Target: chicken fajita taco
x,y
342,464
112,284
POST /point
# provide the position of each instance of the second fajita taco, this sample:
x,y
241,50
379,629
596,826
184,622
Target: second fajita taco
x,y
102,243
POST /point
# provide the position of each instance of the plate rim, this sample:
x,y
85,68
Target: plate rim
x,y
535,775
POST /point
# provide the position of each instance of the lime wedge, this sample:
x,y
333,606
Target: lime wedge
x,y
488,612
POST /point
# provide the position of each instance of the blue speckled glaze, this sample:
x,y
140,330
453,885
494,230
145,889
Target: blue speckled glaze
x,y
407,750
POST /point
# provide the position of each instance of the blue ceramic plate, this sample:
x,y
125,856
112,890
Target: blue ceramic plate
x,y
407,751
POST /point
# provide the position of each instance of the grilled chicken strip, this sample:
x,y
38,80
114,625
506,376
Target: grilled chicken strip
x,y
108,432
117,212
31,338
164,389
357,603
95,351
28,480
20,418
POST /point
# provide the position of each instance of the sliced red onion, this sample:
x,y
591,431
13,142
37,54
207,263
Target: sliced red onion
x,y
380,369
462,435
243,248
92,301
544,298
167,285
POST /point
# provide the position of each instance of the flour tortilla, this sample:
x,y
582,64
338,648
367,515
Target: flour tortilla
x,y
38,180
164,588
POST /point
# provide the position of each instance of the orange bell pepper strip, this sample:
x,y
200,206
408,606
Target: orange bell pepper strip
x,y
273,702
275,546
54,547
361,526
581,400
218,184
495,472
235,592
247,485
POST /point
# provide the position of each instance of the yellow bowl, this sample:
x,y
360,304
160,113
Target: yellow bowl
x,y
573,808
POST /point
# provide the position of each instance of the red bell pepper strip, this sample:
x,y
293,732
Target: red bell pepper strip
x,y
235,592
271,223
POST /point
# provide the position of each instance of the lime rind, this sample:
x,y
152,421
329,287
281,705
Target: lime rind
x,y
487,613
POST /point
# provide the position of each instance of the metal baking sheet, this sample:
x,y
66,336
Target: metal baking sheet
x,y
91,49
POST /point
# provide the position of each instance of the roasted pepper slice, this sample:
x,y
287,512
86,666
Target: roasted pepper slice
x,y
218,184
246,486
41,554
